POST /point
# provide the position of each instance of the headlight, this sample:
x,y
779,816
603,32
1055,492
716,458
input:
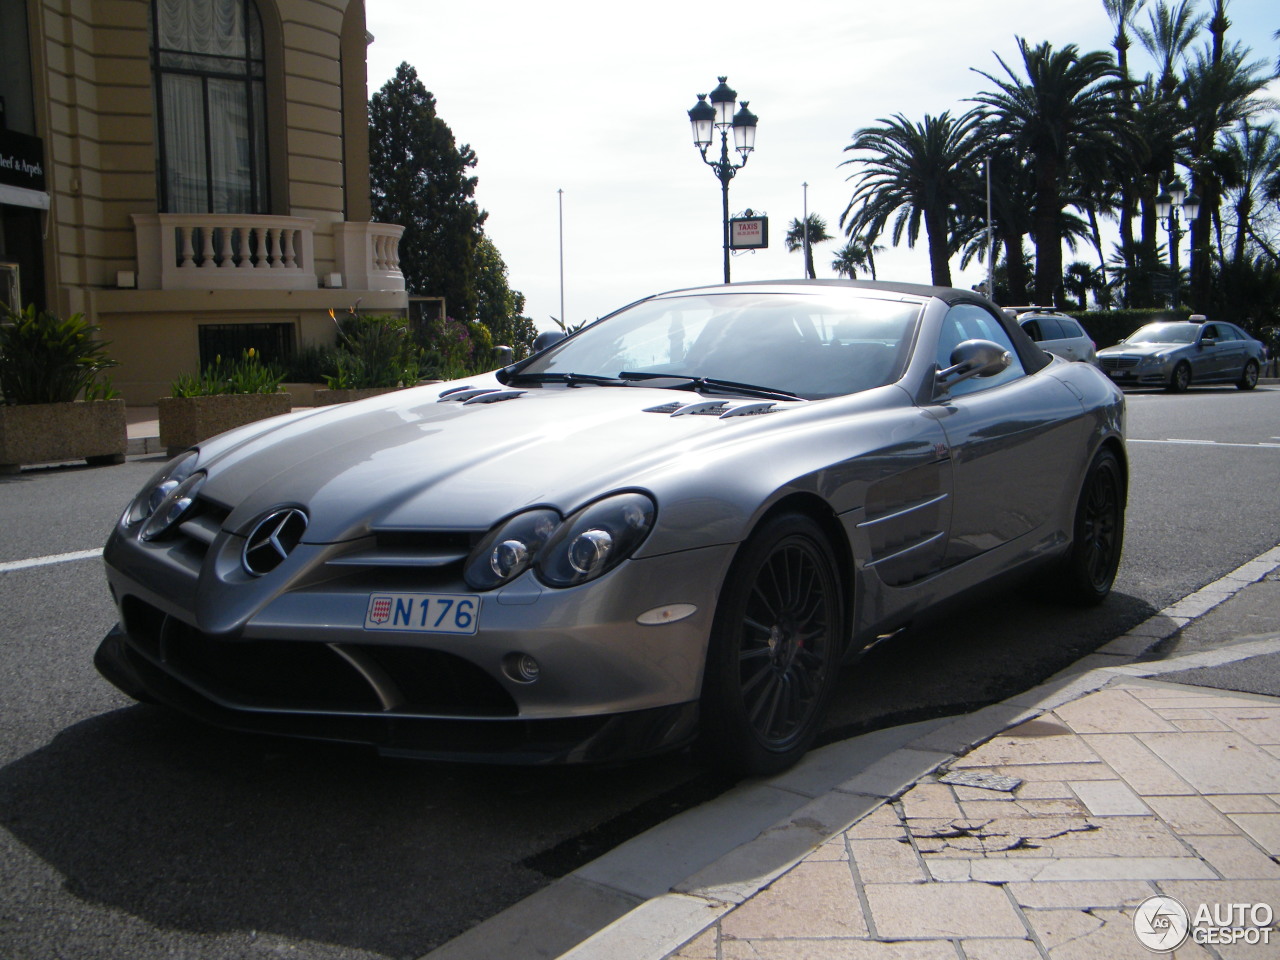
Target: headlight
x,y
170,477
172,508
509,549
596,539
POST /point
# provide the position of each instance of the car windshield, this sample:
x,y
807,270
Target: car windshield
x,y
1165,333
812,345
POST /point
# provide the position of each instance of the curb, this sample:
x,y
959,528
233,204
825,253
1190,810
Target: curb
x,y
654,893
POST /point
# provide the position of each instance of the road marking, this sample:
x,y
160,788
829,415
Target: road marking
x,y
10,565
1209,443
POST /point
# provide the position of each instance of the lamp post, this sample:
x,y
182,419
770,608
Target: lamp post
x,y
1171,205
718,116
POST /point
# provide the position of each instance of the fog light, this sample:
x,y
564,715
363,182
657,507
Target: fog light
x,y
521,667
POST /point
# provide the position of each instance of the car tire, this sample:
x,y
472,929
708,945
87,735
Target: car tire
x,y
774,652
1249,376
1180,379
1097,536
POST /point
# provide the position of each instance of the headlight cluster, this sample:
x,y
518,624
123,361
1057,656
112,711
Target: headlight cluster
x,y
563,553
164,501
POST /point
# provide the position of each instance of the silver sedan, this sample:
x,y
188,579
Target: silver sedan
x,y
1176,354
671,527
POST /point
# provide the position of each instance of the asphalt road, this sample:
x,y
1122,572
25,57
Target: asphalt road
x,y
129,832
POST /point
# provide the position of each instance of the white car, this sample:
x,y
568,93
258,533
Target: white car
x,y
1057,333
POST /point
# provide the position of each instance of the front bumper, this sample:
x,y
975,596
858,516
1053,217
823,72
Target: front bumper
x,y
293,658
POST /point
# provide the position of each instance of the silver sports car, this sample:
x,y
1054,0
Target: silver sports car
x,y
669,528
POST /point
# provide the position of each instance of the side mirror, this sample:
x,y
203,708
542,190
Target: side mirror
x,y
503,355
1208,341
546,339
974,358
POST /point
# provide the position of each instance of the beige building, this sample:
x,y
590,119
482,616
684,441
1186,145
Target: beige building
x,y
192,175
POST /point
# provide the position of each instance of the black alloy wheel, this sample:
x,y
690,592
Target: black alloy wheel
x,y
1098,536
1180,379
1249,377
775,649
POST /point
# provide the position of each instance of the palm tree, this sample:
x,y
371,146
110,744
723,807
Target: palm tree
x,y
916,173
1171,31
1253,153
795,239
1080,280
854,256
1063,117
1214,95
1122,14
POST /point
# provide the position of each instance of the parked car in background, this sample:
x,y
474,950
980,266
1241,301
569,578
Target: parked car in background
x,y
674,524
1174,354
1056,333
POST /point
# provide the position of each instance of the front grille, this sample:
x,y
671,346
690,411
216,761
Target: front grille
x,y
306,675
1118,363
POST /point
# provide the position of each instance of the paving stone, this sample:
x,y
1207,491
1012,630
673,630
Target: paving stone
x,y
928,911
1201,726
702,947
1044,790
881,823
835,950
977,794
930,800
1216,762
985,809
987,869
1145,772
1111,711
1236,858
833,849
1059,772
1109,798
1263,827
1001,950
1190,816
812,900
1006,750
1243,803
1260,726
1126,868
886,861
1077,935
1055,808
1081,894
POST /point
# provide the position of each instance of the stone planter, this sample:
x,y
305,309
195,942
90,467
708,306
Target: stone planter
x,y
188,420
95,431
302,394
326,397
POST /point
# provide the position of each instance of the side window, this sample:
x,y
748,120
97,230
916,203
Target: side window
x,y
1032,327
1053,328
1227,332
1070,329
1210,332
967,321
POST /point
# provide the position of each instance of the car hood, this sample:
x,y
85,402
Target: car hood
x,y
413,459
1140,349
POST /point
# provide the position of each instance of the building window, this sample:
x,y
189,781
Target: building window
x,y
208,75
272,342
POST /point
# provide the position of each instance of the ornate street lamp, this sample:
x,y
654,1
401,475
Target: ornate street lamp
x,y
718,116
1171,206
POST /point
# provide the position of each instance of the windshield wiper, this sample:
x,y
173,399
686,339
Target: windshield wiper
x,y
570,378
710,383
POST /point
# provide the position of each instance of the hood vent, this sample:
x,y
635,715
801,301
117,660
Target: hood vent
x,y
469,395
722,409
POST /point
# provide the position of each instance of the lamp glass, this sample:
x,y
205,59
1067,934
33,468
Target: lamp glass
x,y
1177,190
1164,205
1191,206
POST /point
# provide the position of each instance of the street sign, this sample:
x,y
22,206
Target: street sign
x,y
748,233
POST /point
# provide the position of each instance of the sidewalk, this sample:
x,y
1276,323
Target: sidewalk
x,y
1032,828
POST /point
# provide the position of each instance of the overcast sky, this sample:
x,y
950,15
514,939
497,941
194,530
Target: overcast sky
x,y
592,99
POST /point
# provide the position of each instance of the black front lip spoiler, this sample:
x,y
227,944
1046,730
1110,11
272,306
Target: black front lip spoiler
x,y
513,740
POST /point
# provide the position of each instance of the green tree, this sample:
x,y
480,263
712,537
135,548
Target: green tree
x,y
1122,14
915,173
499,307
817,234
854,256
419,178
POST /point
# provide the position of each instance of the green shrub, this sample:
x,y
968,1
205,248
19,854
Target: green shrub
x,y
44,359
246,375
311,364
374,351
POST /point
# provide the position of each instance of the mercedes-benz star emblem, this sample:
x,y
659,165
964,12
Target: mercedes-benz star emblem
x,y
273,539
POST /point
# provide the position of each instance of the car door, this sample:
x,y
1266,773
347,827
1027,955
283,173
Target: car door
x,y
1233,351
1207,358
1013,441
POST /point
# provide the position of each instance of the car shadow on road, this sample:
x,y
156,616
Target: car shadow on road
x,y
207,831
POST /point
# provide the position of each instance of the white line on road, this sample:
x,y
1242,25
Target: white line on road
x,y
10,565
1209,443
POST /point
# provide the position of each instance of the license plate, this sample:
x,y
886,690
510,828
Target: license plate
x,y
1119,374
423,613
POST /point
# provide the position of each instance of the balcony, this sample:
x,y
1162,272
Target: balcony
x,y
251,252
